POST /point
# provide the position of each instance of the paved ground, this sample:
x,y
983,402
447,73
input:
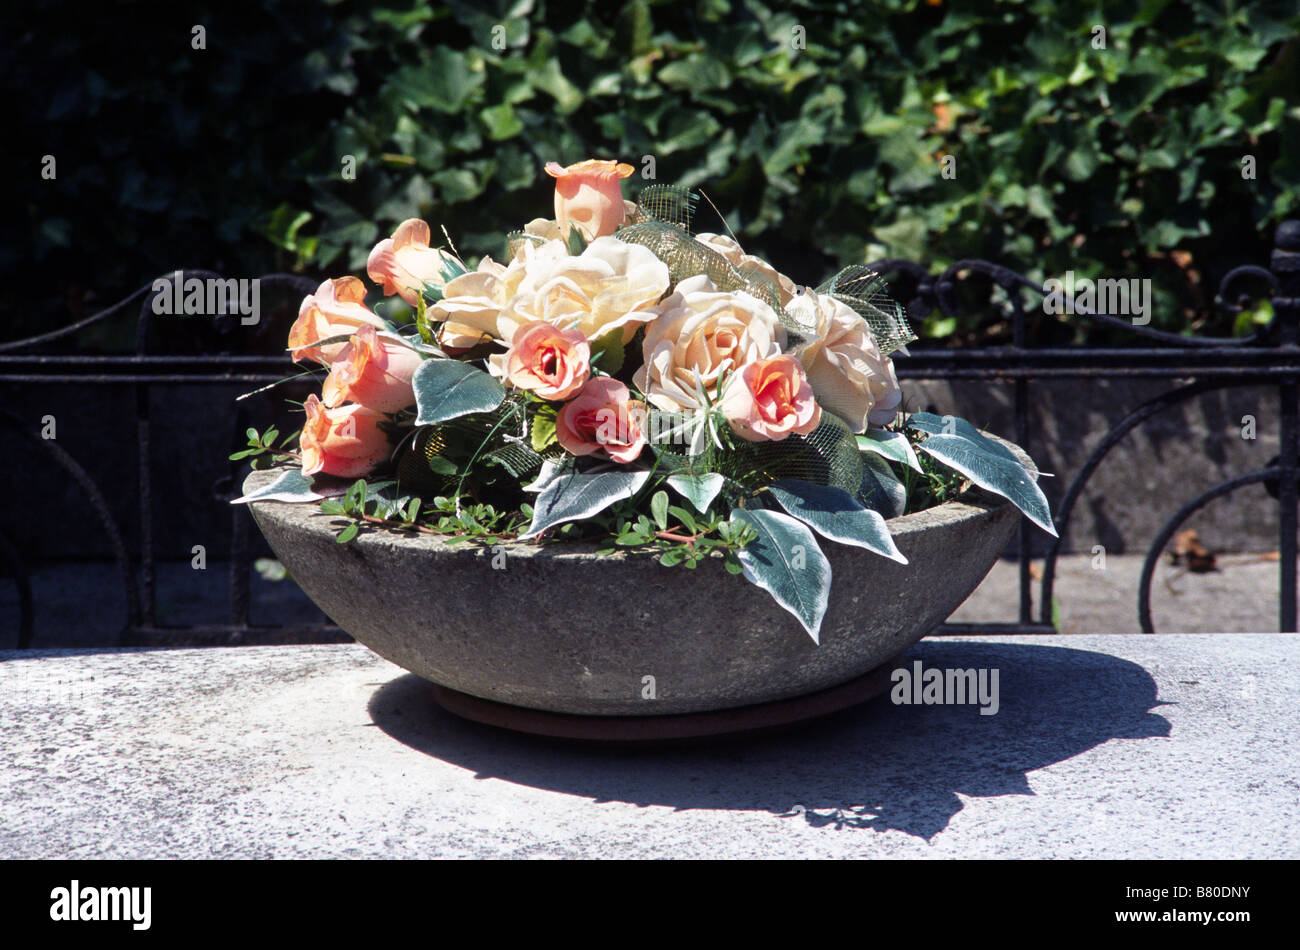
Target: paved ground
x,y
1116,746
1240,596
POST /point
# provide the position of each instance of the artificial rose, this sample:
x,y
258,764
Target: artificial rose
x,y
335,309
610,286
603,418
404,263
472,303
737,258
769,400
545,360
374,371
703,332
345,441
588,196
848,373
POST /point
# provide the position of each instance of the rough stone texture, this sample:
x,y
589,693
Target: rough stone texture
x,y
1151,473
564,629
1103,747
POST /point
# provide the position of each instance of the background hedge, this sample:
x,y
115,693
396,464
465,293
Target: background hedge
x,y
1121,162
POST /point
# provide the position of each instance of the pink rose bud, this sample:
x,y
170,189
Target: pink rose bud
x,y
769,399
548,361
374,371
345,441
404,263
603,419
336,308
588,196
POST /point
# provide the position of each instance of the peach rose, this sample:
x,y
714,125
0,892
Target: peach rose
x,y
404,263
336,308
612,285
847,371
374,371
545,360
603,418
588,196
703,331
770,399
345,441
737,258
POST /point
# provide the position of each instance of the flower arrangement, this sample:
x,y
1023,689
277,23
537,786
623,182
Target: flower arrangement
x,y
618,377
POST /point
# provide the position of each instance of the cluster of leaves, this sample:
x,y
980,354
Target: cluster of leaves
x,y
263,450
677,536
819,130
372,504
1122,161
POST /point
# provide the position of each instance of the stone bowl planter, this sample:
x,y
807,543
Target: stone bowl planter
x,y
555,630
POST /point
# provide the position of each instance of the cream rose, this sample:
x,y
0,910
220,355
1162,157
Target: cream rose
x,y
706,332
610,286
737,258
848,373
473,303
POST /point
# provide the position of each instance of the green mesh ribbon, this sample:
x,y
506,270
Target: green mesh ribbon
x,y
865,291
828,455
497,436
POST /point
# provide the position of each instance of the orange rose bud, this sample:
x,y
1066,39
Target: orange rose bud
x,y
588,196
336,308
404,263
374,371
345,441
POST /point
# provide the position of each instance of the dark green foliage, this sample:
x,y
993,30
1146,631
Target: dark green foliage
x,y
1111,162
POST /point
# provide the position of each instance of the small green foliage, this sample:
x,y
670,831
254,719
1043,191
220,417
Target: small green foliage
x,y
263,450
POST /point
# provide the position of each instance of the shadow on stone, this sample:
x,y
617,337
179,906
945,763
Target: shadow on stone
x,y
877,766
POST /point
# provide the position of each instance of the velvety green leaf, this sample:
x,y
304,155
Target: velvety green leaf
x,y
578,496
786,561
993,472
292,486
881,489
835,514
894,446
699,490
447,389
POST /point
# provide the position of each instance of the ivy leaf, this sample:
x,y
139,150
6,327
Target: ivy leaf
x,y
785,560
447,389
835,514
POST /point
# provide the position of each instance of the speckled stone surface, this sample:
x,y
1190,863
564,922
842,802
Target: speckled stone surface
x,y
1122,746
558,627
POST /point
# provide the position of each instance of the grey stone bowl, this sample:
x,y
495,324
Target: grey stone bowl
x,y
562,629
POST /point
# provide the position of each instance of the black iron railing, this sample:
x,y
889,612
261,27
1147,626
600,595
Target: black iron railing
x,y
1270,356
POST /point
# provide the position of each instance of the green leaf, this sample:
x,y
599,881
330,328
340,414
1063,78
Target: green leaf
x,y
785,560
576,241
291,486
881,490
699,490
994,472
835,514
951,425
607,352
542,433
574,497
447,389
891,445
348,533
659,508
